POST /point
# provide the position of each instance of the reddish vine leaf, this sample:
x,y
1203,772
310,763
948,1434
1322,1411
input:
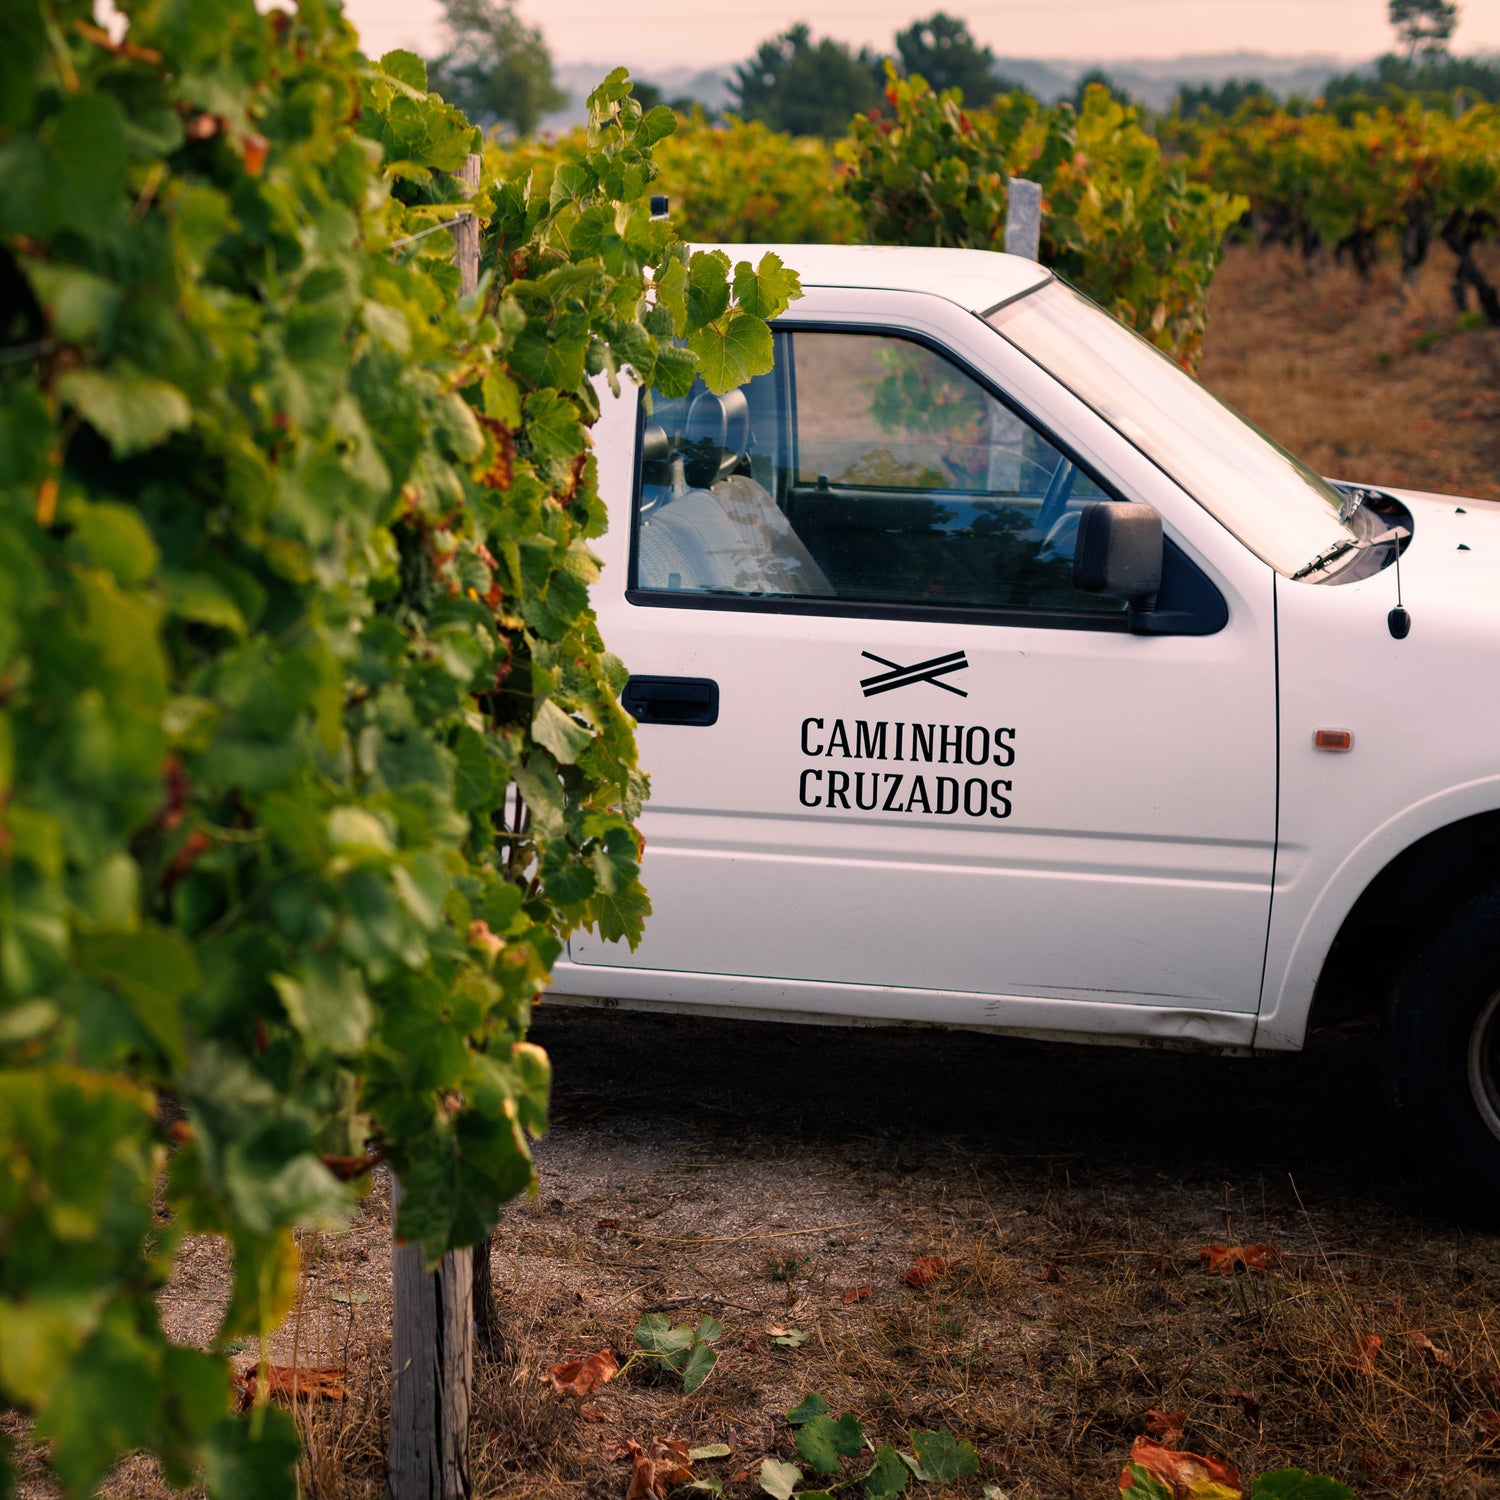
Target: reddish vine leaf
x,y
291,1383
656,1468
1225,1260
926,1269
1187,1475
1362,1356
578,1377
857,1294
1424,1348
1248,1403
1166,1426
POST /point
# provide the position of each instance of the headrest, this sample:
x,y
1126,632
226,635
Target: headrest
x,y
715,436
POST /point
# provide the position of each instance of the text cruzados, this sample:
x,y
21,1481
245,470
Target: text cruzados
x,y
958,745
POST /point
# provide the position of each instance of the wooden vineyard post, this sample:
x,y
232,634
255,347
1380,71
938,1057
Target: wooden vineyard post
x,y
432,1369
466,232
432,1344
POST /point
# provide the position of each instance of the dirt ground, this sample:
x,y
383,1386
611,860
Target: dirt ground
x,y
1368,381
764,1175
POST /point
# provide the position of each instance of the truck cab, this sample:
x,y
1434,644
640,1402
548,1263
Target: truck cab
x,y
990,673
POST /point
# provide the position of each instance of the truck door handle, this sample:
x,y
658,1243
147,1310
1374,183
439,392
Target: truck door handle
x,y
672,700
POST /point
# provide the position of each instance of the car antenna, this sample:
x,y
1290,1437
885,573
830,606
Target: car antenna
x,y
1399,620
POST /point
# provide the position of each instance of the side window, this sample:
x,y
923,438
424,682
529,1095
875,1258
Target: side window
x,y
864,468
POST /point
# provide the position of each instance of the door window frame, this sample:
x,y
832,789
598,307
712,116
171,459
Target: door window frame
x,y
973,614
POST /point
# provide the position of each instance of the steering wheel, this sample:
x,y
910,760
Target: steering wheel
x,y
1055,501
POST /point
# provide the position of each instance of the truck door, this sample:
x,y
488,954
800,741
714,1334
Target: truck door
x,y
891,747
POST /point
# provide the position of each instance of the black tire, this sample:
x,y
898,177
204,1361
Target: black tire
x,y
1442,1057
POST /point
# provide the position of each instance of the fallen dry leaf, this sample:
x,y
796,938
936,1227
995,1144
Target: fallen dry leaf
x,y
926,1269
1165,1426
291,1383
1225,1260
577,1377
856,1294
1422,1346
1180,1472
1383,1473
1363,1356
1489,1427
655,1469
1248,1404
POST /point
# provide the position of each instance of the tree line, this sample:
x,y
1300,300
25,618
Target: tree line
x,y
497,68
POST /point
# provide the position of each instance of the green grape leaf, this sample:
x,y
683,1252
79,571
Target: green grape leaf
x,y
552,427
888,1476
79,304
327,1003
151,970
655,1334
133,412
558,732
1143,1485
822,1441
406,67
944,1458
1298,1484
114,537
732,353
707,287
699,1367
671,285
767,290
808,1408
252,1457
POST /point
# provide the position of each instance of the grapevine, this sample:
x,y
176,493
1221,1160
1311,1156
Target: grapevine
x,y
310,752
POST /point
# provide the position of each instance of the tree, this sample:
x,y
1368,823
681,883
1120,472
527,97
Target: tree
x,y
1099,76
943,50
1222,99
1424,26
497,68
803,88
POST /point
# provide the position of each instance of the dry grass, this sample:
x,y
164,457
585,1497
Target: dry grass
x,y
1072,1191
758,1173
1368,381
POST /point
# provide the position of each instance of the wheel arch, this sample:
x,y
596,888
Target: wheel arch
x,y
1391,911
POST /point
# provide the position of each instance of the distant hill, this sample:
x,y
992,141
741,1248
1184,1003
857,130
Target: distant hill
x,y
1155,81
710,86
1152,81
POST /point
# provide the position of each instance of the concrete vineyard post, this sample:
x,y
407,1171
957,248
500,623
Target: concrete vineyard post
x,y
1023,218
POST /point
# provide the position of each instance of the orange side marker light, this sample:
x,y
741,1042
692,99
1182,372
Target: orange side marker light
x,y
1333,739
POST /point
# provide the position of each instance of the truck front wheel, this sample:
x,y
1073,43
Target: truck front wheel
x,y
1442,1056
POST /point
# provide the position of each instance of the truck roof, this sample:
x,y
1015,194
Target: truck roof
x,y
976,280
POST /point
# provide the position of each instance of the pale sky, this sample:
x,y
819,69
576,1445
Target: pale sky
x,y
666,33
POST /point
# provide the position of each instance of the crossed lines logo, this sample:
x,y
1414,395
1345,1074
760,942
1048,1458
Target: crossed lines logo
x,y
922,671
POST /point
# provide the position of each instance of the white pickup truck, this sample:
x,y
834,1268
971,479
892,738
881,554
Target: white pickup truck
x,y
991,673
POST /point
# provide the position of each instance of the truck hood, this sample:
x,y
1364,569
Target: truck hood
x,y
1455,547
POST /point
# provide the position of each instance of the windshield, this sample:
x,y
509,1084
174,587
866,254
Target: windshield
x,y
1273,502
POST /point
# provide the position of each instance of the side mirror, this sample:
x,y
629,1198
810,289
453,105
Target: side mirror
x,y
1119,552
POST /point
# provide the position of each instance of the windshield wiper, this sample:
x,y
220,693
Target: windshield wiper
x,y
1326,556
